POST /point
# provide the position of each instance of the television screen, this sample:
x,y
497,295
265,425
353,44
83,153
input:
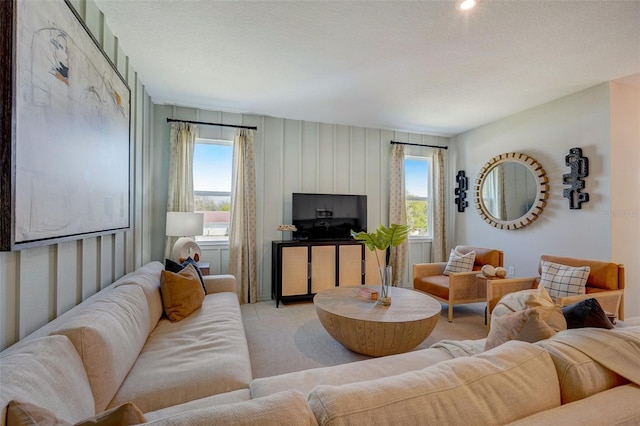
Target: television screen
x,y
320,217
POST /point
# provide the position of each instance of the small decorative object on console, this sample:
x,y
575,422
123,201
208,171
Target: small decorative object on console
x,y
367,294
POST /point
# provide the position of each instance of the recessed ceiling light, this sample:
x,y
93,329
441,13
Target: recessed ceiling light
x,y
466,4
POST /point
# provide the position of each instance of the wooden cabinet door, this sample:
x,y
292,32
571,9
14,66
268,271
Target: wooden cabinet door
x,y
295,271
323,267
350,258
372,273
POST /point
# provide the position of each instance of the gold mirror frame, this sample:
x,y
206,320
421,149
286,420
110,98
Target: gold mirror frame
x,y
541,180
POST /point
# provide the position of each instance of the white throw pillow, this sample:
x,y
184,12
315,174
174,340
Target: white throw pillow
x,y
459,262
562,280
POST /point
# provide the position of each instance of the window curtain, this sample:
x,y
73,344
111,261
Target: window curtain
x,y
242,230
398,213
182,140
439,243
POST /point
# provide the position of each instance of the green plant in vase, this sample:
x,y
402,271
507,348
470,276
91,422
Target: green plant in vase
x,y
382,239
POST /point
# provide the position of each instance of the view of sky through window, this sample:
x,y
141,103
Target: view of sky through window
x,y
416,176
212,165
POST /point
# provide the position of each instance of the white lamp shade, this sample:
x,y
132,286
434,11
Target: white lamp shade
x,y
184,224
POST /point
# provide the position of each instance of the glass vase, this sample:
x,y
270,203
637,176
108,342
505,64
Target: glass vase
x,y
386,275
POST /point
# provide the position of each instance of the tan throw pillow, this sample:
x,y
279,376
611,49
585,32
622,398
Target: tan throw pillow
x,y
520,300
182,293
529,325
459,262
562,280
26,414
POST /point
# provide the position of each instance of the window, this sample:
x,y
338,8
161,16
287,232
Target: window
x,y
417,180
212,165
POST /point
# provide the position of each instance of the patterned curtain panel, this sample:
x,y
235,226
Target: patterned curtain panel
x,y
438,246
398,213
242,230
180,190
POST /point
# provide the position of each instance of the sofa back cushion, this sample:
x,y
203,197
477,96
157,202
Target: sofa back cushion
x,y
148,278
284,408
47,372
108,335
579,374
504,384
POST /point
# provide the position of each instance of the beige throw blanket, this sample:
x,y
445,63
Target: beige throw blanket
x,y
617,349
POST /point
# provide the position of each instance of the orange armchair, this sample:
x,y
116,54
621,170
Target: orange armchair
x,y
605,283
458,287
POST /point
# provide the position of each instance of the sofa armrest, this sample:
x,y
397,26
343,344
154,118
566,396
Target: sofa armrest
x,y
219,283
428,269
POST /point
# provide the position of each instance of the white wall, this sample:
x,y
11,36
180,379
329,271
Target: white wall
x,y
38,284
546,133
625,187
291,156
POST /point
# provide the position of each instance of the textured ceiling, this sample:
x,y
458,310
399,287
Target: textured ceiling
x,y
417,66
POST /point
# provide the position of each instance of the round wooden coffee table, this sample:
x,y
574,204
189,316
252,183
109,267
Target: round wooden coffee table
x,y
365,327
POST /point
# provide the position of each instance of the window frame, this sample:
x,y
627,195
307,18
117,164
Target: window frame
x,y
428,198
202,239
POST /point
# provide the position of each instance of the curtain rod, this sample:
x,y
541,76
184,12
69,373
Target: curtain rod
x,y
172,120
417,144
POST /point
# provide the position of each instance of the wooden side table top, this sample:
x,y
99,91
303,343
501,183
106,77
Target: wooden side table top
x,y
371,329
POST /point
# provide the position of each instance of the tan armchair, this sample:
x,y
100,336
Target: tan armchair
x,y
605,283
459,287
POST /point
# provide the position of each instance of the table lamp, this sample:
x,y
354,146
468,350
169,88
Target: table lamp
x,y
185,225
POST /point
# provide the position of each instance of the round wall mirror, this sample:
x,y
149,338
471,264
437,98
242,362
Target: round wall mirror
x,y
511,190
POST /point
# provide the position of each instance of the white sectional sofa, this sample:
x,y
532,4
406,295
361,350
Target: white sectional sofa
x,y
117,347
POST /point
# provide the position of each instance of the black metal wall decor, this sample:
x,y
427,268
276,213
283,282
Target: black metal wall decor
x,y
579,170
461,191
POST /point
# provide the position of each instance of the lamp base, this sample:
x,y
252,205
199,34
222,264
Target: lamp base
x,y
186,247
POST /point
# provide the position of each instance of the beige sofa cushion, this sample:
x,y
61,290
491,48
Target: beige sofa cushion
x,y
239,395
204,354
305,380
47,372
26,414
148,278
109,334
504,384
285,408
579,375
617,406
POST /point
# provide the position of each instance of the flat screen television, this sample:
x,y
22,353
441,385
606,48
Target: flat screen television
x,y
320,217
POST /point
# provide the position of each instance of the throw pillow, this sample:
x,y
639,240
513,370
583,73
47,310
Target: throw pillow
x,y
459,262
26,414
529,325
523,299
182,293
586,313
170,265
562,280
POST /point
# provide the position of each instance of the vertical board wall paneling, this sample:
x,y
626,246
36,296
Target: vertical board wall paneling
x,y
67,276
8,298
326,155
35,289
308,157
342,159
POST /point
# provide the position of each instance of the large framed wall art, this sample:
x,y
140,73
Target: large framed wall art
x,y
65,129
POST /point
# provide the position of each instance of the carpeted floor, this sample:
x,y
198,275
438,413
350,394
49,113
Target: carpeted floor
x,y
291,338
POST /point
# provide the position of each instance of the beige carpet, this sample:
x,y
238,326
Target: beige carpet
x,y
291,338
